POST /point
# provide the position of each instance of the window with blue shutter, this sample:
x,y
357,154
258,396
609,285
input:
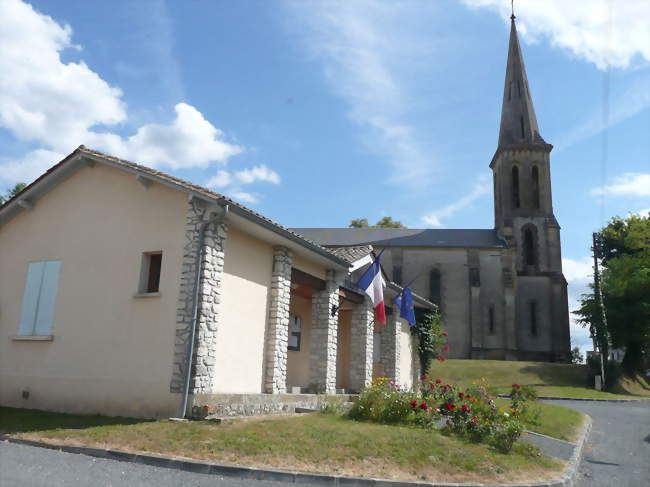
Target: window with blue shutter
x,y
37,312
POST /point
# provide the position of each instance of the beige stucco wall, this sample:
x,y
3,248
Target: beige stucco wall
x,y
111,353
312,268
243,314
298,360
406,357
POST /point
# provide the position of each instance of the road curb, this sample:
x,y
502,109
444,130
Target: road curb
x,y
555,398
240,471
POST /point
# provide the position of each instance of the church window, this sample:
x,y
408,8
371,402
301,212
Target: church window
x,y
491,319
533,318
529,248
435,286
521,122
515,187
535,187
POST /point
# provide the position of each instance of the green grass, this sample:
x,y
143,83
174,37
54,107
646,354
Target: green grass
x,y
556,421
312,443
548,379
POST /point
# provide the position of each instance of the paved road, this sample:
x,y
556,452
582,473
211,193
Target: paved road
x,y
617,455
27,466
618,451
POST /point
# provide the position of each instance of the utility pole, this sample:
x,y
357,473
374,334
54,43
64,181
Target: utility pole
x,y
601,306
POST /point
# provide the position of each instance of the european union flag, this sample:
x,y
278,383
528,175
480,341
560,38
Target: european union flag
x,y
404,301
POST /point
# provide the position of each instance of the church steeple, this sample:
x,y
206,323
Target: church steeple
x,y
518,121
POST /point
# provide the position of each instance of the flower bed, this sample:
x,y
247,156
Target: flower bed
x,y
470,413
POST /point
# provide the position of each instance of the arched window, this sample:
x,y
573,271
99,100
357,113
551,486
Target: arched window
x,y
535,187
529,247
516,202
435,286
533,318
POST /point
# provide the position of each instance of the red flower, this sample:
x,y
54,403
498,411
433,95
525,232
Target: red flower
x,y
446,348
432,386
438,381
461,395
423,377
444,334
516,386
449,406
465,408
441,359
413,404
474,419
424,406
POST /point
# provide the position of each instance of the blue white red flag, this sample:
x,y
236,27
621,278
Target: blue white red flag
x,y
372,284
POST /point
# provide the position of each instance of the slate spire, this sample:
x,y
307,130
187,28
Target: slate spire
x,y
518,121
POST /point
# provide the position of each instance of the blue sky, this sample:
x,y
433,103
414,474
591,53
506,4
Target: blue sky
x,y
317,112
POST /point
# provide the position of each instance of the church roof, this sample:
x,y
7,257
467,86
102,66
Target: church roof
x,y
518,120
351,254
403,237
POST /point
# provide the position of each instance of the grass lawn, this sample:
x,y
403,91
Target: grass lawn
x,y
548,379
310,443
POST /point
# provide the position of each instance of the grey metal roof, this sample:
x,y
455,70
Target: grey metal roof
x,y
403,237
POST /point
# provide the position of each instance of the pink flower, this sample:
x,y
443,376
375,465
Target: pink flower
x,y
413,404
441,359
424,406
461,395
446,348
444,334
465,408
438,381
423,377
516,386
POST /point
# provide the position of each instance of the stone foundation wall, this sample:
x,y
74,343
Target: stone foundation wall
x,y
361,345
391,347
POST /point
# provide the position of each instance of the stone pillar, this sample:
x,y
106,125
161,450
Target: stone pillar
x,y
390,347
415,354
363,318
203,365
277,333
324,328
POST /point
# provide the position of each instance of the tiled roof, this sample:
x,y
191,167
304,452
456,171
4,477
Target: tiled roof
x,y
188,186
404,237
351,254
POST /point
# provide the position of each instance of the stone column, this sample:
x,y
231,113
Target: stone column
x,y
203,365
415,354
324,328
277,333
390,347
362,327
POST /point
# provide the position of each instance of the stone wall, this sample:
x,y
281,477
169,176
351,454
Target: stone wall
x,y
391,347
209,299
277,334
324,328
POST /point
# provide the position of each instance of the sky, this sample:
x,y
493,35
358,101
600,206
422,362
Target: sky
x,y
316,112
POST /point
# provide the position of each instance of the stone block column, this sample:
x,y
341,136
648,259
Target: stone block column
x,y
391,335
324,328
203,365
277,333
361,346
415,354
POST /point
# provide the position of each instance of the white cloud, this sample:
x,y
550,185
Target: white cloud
x,y
644,213
601,32
482,187
28,167
231,183
578,273
629,184
259,173
62,105
367,49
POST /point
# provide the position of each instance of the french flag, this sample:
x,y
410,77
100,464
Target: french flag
x,y
373,284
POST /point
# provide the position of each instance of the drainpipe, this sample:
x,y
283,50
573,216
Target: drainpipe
x,y
216,218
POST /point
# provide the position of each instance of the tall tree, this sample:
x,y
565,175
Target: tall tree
x,y
13,192
385,222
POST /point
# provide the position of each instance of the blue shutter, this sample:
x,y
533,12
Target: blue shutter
x,y
49,287
30,298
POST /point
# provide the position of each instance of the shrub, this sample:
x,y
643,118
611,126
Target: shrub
x,y
471,413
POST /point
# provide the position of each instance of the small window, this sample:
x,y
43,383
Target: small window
x,y
39,298
295,330
529,248
491,320
150,273
376,348
533,318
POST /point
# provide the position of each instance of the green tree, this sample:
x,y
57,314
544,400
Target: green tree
x,y
624,245
385,222
13,192
576,356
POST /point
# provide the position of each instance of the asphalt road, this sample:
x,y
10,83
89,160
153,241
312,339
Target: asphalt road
x,y
617,455
618,451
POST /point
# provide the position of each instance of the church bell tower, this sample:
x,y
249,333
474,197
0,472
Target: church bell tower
x,y
524,217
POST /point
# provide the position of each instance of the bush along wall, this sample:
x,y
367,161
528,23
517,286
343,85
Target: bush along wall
x,y
431,338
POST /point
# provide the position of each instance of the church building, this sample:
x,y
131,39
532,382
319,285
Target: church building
x,y
501,291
